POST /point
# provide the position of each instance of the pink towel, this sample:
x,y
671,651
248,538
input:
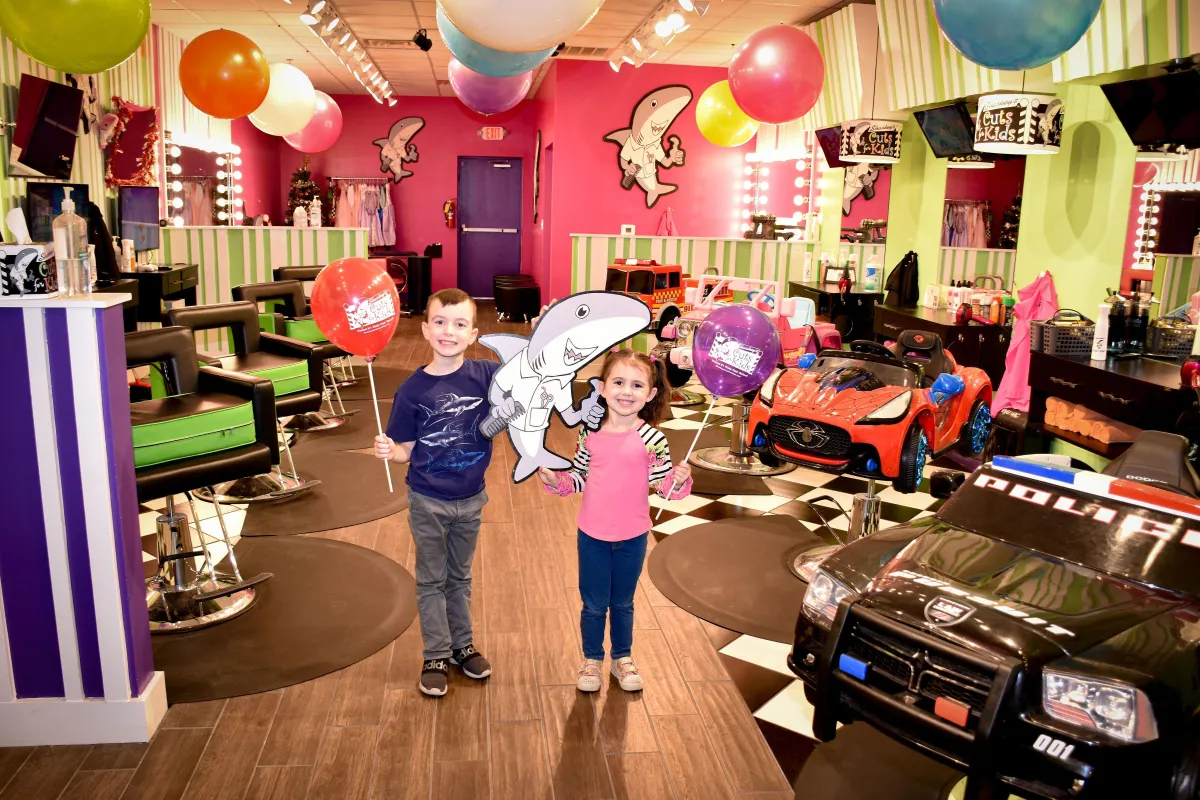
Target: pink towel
x,y
666,224
1037,301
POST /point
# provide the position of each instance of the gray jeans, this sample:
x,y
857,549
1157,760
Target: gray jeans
x,y
445,533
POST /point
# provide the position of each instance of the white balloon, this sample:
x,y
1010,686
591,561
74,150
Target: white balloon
x,y
520,26
289,105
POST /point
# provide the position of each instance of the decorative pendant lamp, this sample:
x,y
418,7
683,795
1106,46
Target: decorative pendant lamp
x,y
870,141
1166,152
970,162
1019,123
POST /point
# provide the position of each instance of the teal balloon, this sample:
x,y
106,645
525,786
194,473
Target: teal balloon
x,y
1014,34
485,60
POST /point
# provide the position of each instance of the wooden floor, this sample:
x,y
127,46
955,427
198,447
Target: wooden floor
x,y
366,732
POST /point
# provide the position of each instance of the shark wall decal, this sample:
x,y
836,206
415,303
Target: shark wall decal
x,y
397,149
538,372
642,142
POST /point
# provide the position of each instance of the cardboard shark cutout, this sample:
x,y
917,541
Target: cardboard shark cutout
x,y
642,142
537,373
397,149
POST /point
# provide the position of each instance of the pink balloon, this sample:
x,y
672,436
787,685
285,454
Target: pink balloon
x,y
322,131
776,74
486,94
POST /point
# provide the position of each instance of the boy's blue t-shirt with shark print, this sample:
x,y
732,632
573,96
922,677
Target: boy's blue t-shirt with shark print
x,y
441,413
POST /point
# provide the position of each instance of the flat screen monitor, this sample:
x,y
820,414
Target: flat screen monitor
x,y
43,202
1161,110
137,212
831,143
949,129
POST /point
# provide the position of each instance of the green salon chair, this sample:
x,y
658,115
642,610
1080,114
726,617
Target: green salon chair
x,y
343,367
294,367
214,426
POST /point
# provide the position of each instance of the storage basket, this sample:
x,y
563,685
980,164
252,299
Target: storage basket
x,y
1171,336
1068,333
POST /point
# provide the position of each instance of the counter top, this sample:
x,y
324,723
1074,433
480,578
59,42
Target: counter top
x,y
94,300
938,316
1150,370
830,288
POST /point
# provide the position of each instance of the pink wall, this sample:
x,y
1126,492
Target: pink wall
x,y
451,130
260,171
1000,185
592,101
544,108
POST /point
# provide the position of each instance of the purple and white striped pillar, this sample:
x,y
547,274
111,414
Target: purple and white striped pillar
x,y
75,658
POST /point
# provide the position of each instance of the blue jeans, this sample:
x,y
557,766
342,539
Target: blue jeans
x,y
608,576
445,533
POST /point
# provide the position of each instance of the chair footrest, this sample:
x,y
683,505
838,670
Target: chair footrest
x,y
176,556
233,588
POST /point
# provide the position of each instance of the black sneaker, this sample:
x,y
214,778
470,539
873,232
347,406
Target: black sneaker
x,y
471,662
434,674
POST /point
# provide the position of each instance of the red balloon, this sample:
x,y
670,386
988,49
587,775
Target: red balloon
x,y
776,75
354,303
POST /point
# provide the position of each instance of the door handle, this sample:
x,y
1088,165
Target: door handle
x,y
465,229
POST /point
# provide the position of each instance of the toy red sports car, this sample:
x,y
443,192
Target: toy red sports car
x,y
876,411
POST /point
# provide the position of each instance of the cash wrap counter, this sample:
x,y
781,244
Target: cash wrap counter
x,y
75,658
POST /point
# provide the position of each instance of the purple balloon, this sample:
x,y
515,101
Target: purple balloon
x,y
736,349
486,94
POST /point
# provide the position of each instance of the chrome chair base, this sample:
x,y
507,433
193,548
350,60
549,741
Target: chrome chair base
x,y
722,459
314,421
684,397
176,611
266,488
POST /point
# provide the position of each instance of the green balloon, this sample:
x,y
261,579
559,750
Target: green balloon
x,y
80,36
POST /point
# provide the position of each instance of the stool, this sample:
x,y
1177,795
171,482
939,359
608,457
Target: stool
x,y
518,301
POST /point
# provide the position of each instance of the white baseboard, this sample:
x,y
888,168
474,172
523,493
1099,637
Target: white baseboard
x,y
49,720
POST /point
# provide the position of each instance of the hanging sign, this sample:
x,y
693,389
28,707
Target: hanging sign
x,y
870,141
492,133
1016,123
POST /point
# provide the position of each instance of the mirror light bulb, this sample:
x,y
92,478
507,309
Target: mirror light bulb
x,y
765,171
749,171
763,199
178,222
221,201
763,186
237,189
238,215
237,201
236,150
220,161
798,199
177,202
222,188
801,183
221,215
221,174
237,161
176,186
176,169
801,166
747,184
175,151
747,198
237,175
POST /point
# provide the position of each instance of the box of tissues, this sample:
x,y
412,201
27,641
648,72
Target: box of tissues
x,y
27,269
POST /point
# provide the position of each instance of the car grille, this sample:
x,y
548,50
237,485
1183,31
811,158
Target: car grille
x,y
909,667
809,436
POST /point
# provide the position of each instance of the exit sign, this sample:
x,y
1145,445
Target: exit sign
x,y
492,133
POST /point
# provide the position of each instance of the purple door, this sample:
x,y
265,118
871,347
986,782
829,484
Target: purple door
x,y
489,222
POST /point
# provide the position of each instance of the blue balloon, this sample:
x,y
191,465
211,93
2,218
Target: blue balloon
x,y
485,60
1014,34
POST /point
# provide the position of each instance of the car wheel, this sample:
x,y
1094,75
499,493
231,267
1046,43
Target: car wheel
x,y
668,318
975,431
912,460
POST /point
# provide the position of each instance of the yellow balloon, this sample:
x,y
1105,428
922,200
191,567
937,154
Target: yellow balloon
x,y
720,119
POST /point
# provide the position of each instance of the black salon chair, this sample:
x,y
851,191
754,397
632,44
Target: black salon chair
x,y
282,308
343,368
294,367
214,426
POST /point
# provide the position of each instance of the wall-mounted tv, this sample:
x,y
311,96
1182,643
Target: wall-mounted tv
x,y
137,213
830,140
950,130
1160,110
43,202
43,142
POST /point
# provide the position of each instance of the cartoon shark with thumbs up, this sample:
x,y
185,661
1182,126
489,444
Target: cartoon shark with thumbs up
x,y
642,142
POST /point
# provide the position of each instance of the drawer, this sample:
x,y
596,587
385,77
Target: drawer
x,y
1136,402
889,324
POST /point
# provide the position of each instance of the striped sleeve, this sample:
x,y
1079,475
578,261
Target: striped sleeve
x,y
581,462
659,451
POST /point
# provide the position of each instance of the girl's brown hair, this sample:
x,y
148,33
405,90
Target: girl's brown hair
x,y
657,409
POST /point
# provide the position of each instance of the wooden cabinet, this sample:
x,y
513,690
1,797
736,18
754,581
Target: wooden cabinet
x,y
853,314
972,344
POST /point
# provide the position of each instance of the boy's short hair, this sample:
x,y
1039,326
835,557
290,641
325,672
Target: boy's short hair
x,y
450,297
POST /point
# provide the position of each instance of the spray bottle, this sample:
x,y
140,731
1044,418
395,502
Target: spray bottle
x,y
1100,338
71,249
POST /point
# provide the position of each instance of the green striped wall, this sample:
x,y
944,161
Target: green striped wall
x,y
839,38
965,263
1187,171
1132,33
1176,279
230,257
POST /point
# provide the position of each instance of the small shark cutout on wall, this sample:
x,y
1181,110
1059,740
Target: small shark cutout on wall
x,y
642,142
397,149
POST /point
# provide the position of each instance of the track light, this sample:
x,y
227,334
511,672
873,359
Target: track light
x,y
636,44
350,47
615,64
662,28
313,15
345,36
701,7
687,5
391,102
333,23
421,39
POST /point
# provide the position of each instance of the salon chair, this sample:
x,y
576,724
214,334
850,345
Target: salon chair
x,y
343,366
285,304
294,367
214,426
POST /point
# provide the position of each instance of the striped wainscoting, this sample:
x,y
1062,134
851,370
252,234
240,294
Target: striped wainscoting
x,y
1184,171
1132,33
229,257
965,263
75,657
1180,279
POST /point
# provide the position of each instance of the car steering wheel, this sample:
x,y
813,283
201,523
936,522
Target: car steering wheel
x,y
871,348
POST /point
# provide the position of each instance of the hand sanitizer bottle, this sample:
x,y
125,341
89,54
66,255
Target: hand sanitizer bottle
x,y
70,249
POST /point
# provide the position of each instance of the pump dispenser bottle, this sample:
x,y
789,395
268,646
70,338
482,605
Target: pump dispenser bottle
x,y
71,249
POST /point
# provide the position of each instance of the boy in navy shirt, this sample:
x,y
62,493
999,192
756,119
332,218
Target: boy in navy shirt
x,y
434,427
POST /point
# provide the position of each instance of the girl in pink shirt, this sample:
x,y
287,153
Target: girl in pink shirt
x,y
612,467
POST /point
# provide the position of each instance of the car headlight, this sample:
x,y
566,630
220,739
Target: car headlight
x,y
822,598
893,410
767,392
1111,707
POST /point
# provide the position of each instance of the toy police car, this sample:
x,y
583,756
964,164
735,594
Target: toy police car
x,y
1040,632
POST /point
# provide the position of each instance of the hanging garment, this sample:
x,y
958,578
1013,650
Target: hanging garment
x,y
903,284
387,212
369,215
666,224
964,224
1037,301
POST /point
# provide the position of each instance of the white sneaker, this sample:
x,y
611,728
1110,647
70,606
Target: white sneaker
x,y
589,675
626,673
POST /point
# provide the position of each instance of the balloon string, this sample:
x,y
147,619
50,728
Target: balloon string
x,y
378,422
695,439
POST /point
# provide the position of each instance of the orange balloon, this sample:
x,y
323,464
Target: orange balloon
x,y
224,74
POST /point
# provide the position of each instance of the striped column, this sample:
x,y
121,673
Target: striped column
x,y
967,263
1180,279
75,658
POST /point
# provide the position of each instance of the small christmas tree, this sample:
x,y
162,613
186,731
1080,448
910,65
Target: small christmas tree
x,y
1010,225
302,192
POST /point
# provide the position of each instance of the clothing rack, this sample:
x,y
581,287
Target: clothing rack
x,y
359,180
967,202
